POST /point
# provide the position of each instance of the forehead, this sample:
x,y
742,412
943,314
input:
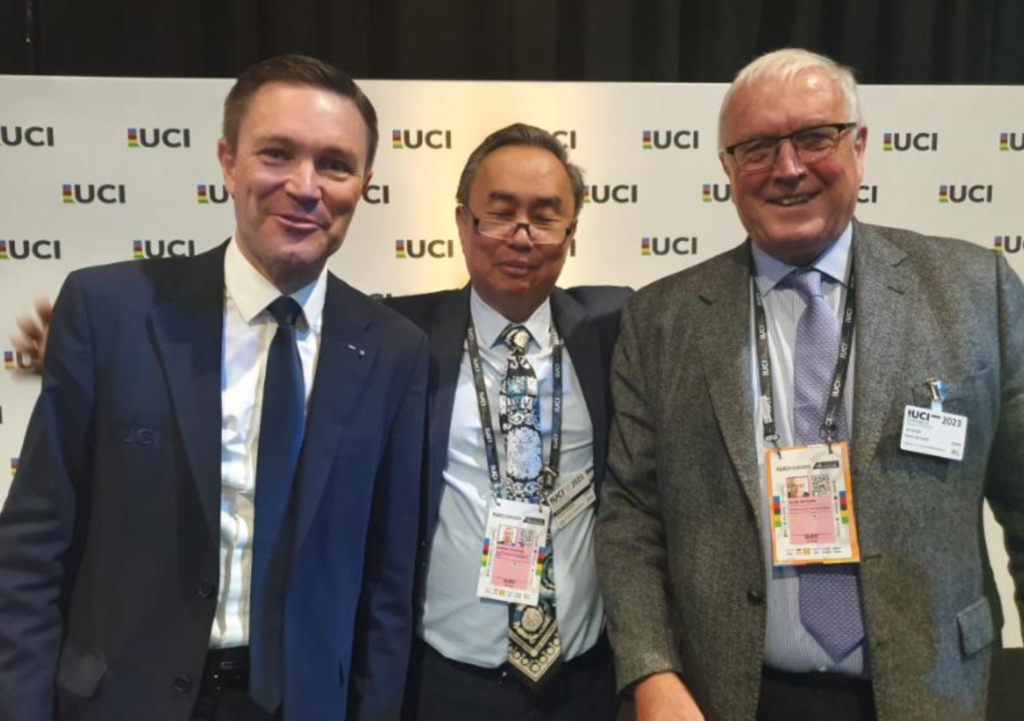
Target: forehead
x,y
776,107
521,173
303,111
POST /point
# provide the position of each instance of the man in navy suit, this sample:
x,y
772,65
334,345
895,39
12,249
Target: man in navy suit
x,y
137,580
519,199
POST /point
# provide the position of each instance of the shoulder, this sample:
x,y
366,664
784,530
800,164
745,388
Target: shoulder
x,y
422,308
600,300
375,314
726,273
935,259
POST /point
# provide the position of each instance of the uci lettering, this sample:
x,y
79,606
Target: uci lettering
x,y
970,193
377,194
1011,243
1011,141
902,142
612,193
436,139
716,192
430,248
566,138
165,248
919,414
211,193
681,139
25,249
682,245
867,194
85,194
168,138
35,136
131,435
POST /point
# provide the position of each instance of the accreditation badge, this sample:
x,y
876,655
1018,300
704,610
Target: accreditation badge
x,y
515,548
810,504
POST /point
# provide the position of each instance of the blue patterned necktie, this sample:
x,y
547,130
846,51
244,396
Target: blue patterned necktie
x,y
534,644
281,429
830,606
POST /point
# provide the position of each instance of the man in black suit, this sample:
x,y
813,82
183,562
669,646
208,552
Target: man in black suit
x,y
215,514
519,199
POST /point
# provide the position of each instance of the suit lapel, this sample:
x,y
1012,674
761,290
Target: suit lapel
x,y
584,348
447,335
187,332
346,358
884,299
724,305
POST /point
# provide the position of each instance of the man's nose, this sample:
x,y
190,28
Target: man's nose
x,y
787,161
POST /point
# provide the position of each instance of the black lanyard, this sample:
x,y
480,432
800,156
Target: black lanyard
x,y
549,472
835,396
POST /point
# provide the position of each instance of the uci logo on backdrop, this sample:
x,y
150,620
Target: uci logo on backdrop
x,y
15,361
1011,141
903,142
11,249
623,194
86,193
33,136
668,245
716,192
1009,243
143,248
159,138
671,139
377,194
421,248
207,193
416,139
949,193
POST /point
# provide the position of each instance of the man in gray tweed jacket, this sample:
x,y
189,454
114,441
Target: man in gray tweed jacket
x,y
703,620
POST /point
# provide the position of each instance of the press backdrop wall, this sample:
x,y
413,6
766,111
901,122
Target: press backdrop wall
x,y
107,170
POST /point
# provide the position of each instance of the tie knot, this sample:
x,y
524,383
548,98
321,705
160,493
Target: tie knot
x,y
807,282
286,311
516,337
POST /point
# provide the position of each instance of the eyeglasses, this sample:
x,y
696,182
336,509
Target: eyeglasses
x,y
540,232
811,145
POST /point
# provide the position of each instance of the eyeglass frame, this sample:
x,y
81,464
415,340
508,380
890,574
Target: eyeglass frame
x,y
777,141
529,234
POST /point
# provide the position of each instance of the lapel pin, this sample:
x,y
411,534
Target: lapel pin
x,y
360,351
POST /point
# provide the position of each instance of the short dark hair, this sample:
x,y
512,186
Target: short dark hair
x,y
520,134
296,70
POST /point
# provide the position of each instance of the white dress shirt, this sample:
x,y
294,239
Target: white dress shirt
x,y
248,331
788,645
456,622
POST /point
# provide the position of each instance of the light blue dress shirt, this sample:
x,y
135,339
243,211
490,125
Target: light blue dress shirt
x,y
456,622
788,645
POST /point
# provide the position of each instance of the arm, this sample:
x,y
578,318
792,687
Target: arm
x,y
385,624
630,541
1005,481
38,522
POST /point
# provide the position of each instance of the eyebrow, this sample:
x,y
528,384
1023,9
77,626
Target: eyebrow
x,y
333,150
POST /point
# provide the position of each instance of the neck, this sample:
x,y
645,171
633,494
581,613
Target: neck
x,y
513,309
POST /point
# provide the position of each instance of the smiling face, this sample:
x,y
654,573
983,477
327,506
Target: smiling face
x,y
794,211
296,175
526,184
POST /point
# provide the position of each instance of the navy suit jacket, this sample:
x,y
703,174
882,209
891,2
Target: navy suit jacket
x,y
109,539
587,318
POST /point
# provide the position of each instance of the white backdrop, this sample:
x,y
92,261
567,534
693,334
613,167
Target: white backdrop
x,y
102,170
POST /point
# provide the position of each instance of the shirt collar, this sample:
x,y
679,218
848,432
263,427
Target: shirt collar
x,y
834,263
251,292
489,323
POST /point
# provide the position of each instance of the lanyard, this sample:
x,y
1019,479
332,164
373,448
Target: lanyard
x,y
549,472
835,395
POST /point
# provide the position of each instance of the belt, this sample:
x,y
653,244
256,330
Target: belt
x,y
818,679
226,669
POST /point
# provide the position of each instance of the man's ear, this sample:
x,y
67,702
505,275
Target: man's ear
x,y
226,158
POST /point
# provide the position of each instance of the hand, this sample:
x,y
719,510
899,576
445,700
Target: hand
x,y
663,697
32,339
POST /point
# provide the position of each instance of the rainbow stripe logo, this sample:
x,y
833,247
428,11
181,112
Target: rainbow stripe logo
x,y
14,466
137,250
647,140
3,250
9,360
645,246
396,140
201,196
486,553
133,137
66,194
776,511
997,243
943,193
400,249
844,509
542,556
1004,142
706,194
586,194
887,142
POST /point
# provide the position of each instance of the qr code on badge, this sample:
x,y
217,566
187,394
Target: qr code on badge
x,y
820,485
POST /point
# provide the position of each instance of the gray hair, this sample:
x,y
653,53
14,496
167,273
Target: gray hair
x,y
520,134
784,65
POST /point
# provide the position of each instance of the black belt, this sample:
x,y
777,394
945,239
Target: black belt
x,y
818,679
226,669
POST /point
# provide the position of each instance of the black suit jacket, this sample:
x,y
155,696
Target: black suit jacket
x,y
109,539
587,318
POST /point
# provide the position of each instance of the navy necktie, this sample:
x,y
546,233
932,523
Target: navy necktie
x,y
281,429
830,607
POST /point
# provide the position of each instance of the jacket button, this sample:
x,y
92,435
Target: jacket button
x,y
755,597
182,684
205,588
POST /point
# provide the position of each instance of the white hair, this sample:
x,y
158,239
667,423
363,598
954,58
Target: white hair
x,y
786,64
